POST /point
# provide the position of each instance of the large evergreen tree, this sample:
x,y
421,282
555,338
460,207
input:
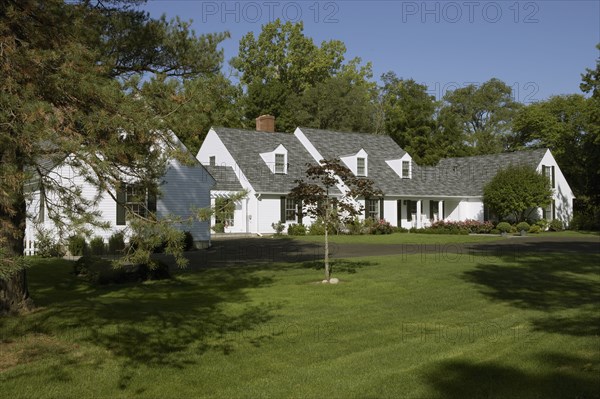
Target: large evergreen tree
x,y
67,78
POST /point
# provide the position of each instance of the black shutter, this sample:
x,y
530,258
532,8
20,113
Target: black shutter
x,y
381,208
120,205
282,215
399,213
300,215
553,183
408,208
553,210
152,202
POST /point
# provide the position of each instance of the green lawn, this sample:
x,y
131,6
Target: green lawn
x,y
418,326
419,238
401,238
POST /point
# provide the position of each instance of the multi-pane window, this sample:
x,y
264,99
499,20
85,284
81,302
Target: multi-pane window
x,y
405,169
372,209
212,160
548,171
135,199
279,163
361,169
290,209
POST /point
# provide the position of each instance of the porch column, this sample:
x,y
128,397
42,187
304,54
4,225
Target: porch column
x,y
419,214
441,210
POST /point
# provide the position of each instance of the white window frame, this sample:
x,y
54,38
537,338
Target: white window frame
x,y
359,166
406,175
280,166
291,209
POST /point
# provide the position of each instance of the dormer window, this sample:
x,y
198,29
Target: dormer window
x,y
280,163
212,160
361,167
276,160
406,169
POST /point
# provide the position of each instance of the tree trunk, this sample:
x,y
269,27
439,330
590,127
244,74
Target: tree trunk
x,y
14,294
327,273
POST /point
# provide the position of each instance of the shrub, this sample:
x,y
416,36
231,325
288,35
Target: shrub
x,y
355,227
504,227
543,223
47,246
535,229
278,227
76,245
97,246
381,227
461,227
295,229
523,226
400,230
494,231
219,228
101,271
116,243
188,241
317,228
555,225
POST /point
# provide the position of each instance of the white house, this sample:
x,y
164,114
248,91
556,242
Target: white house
x,y
266,164
183,188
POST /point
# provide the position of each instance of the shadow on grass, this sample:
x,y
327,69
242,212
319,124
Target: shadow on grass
x,y
560,377
338,265
165,323
564,286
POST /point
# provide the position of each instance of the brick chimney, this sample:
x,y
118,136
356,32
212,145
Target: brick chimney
x,y
265,123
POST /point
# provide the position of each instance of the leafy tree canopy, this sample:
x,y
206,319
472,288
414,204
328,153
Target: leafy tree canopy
x,y
66,76
483,113
515,191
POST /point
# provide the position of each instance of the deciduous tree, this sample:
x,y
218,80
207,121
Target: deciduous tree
x,y
516,191
330,192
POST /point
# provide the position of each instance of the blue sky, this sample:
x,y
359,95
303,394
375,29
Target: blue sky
x,y
540,48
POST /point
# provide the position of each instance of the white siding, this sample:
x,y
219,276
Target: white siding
x,y
183,187
562,194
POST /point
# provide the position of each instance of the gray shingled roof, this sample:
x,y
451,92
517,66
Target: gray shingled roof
x,y
226,178
246,146
474,172
452,177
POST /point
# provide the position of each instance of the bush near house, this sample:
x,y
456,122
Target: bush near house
x,y
461,227
535,229
97,246
504,227
317,228
116,243
278,227
100,271
381,227
47,246
523,226
556,225
76,245
295,229
188,241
